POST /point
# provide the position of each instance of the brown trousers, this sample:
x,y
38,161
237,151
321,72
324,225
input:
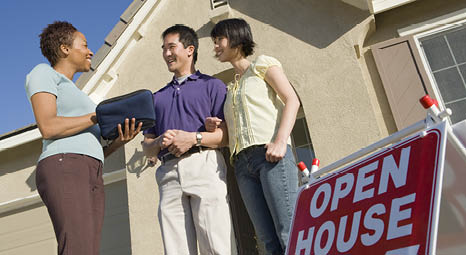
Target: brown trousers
x,y
72,189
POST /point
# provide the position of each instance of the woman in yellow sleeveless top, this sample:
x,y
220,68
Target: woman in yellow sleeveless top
x,y
260,111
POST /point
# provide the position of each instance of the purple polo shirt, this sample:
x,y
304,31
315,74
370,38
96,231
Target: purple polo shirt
x,y
185,106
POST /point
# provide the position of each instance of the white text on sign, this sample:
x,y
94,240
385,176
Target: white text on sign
x,y
365,223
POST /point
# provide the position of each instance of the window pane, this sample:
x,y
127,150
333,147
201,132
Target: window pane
x,y
450,84
463,71
437,53
457,41
299,133
305,154
459,111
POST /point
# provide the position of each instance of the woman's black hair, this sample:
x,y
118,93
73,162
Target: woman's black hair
x,y
53,36
238,33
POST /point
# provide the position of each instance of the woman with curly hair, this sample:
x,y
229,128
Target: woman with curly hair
x,y
69,169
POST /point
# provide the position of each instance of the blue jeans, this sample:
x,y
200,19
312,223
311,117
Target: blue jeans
x,y
269,193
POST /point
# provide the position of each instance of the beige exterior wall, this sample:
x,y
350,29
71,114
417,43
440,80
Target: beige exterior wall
x,y
325,58
17,175
319,57
324,49
27,231
25,226
317,52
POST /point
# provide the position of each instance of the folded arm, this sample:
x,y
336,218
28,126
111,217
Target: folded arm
x,y
52,126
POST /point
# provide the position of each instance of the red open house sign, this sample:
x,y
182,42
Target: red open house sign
x,y
387,203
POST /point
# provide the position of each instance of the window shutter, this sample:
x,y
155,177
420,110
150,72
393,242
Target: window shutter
x,y
404,79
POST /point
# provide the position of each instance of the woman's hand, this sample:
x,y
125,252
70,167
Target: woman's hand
x,y
130,131
275,151
166,139
212,123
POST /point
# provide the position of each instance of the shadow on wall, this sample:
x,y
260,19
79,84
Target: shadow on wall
x,y
20,158
225,76
316,22
137,163
204,31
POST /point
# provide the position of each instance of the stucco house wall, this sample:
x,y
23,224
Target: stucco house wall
x,y
325,50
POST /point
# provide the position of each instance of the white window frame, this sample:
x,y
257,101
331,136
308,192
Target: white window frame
x,y
431,27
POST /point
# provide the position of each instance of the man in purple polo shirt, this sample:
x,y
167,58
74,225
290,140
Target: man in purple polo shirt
x,y
193,204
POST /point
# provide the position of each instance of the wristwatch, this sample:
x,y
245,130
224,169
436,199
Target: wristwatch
x,y
198,138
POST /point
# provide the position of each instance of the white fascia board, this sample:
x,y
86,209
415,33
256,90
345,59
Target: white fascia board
x,y
120,45
378,6
22,202
19,139
442,22
361,4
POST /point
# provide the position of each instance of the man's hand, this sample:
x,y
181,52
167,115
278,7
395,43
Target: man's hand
x,y
212,123
181,142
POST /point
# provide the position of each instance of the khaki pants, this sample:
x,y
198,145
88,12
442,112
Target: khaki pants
x,y
193,204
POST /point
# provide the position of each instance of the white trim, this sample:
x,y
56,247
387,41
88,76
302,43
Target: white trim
x,y
361,4
19,139
109,64
424,61
445,21
378,6
429,74
114,176
19,203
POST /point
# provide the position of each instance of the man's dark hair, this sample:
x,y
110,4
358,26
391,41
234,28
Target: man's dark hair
x,y
56,34
238,33
187,36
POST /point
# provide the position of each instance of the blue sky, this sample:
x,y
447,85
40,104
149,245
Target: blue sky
x,y
23,21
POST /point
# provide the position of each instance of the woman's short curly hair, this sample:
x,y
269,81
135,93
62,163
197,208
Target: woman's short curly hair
x,y
238,32
56,34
